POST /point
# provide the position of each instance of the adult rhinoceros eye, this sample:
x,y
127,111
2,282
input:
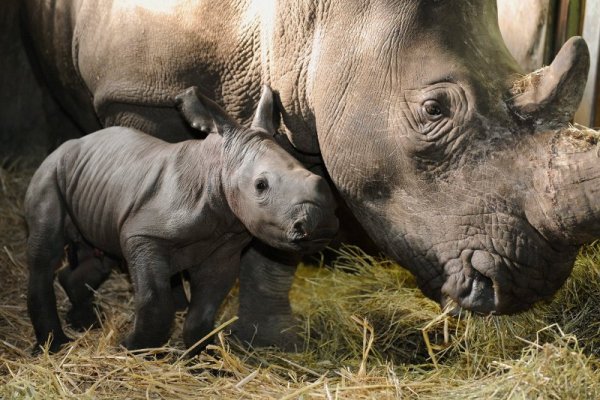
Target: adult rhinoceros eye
x,y
261,184
432,109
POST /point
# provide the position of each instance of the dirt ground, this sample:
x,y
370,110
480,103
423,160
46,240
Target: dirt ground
x,y
369,334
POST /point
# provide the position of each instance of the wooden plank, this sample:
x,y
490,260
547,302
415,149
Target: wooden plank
x,y
574,19
568,22
589,110
561,25
525,27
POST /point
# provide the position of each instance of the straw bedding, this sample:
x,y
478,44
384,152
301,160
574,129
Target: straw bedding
x,y
370,334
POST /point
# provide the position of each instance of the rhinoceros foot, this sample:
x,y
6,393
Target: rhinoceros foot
x,y
281,331
83,316
56,343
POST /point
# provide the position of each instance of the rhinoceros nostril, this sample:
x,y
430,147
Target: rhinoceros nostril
x,y
299,230
479,295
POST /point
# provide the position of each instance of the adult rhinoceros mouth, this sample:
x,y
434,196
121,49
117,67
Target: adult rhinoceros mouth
x,y
502,273
489,283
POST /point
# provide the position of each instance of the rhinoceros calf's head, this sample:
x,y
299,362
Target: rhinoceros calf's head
x,y
278,200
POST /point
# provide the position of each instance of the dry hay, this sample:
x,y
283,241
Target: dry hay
x,y
523,83
369,331
581,138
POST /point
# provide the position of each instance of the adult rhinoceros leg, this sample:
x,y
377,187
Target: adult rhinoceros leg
x,y
265,314
209,282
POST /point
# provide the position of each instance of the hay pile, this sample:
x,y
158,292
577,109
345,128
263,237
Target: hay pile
x,y
523,83
369,334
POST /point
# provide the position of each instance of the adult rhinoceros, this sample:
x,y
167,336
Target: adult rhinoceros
x,y
459,170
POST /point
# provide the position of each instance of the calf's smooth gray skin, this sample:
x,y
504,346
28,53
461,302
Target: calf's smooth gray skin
x,y
468,180
165,208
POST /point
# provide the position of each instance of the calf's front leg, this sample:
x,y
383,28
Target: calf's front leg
x,y
154,306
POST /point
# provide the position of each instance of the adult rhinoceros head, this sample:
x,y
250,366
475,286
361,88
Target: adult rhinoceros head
x,y
464,171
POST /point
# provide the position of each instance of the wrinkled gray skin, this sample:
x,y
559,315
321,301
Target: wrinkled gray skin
x,y
477,190
165,208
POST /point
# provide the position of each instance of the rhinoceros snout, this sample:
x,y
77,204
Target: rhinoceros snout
x,y
314,229
299,230
479,298
482,297
471,286
480,281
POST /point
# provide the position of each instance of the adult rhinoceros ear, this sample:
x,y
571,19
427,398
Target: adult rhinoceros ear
x,y
551,95
266,116
202,113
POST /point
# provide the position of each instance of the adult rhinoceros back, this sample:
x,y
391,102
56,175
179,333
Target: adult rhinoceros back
x,y
456,167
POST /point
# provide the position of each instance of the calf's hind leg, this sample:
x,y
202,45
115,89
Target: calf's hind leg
x,y
84,274
45,248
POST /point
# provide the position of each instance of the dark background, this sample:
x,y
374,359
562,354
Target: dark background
x,y
30,121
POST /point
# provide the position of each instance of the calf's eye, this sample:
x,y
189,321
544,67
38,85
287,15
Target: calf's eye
x,y
261,185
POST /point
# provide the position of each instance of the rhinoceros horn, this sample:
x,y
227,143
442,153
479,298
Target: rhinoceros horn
x,y
551,95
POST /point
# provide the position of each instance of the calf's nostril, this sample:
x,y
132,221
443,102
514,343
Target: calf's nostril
x,y
299,229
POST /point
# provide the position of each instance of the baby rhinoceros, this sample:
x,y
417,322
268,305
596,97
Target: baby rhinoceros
x,y
165,208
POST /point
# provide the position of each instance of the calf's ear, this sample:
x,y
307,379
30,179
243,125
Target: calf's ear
x,y
202,113
266,115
